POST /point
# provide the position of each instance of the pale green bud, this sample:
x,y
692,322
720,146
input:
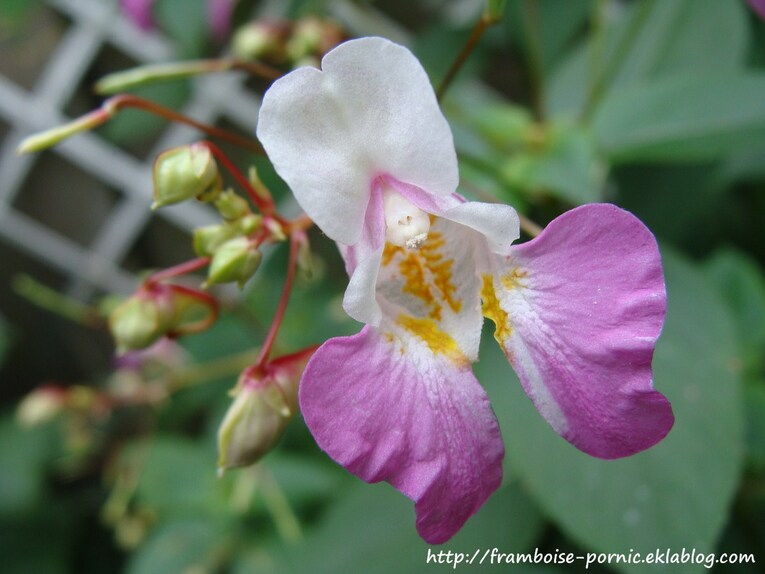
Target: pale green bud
x,y
207,239
306,38
184,173
40,406
257,41
253,425
231,206
249,223
235,260
141,320
261,410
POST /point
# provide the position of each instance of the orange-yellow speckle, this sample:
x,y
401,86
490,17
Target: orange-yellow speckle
x,y
427,274
494,311
437,341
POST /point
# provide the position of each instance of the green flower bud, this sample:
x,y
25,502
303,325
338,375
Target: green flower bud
x,y
236,260
306,38
141,320
261,410
40,406
207,239
254,423
184,173
231,206
258,41
249,223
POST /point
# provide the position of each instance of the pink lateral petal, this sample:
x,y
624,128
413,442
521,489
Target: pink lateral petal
x,y
586,302
416,420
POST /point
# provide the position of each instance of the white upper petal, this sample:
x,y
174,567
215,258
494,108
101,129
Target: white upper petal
x,y
497,222
370,111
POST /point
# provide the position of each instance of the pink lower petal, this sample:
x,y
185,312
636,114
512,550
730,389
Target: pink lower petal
x,y
585,303
389,410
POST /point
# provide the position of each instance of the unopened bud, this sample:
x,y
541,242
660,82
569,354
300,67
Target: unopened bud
x,y
254,423
236,260
40,406
261,410
184,173
259,41
207,239
306,38
249,223
231,206
141,320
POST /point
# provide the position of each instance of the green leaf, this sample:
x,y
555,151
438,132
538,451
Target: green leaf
x,y
698,117
24,453
650,40
558,22
566,166
740,282
37,542
676,494
371,530
188,546
755,431
186,22
179,478
302,479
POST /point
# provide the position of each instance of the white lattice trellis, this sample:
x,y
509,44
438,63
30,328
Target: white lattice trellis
x,y
95,24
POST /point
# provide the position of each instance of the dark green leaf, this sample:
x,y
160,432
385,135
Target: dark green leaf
x,y
179,478
189,546
740,281
371,529
697,117
649,40
755,431
24,453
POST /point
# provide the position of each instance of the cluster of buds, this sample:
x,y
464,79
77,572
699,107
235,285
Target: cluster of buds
x,y
162,308
265,400
232,245
287,43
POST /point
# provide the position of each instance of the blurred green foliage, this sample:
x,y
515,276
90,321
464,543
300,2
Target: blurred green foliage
x,y
656,105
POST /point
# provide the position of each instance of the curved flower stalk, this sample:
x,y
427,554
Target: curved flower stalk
x,y
369,156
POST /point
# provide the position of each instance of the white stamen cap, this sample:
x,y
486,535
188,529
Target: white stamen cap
x,y
406,225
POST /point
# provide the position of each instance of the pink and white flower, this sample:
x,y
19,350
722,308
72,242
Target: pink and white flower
x,y
369,156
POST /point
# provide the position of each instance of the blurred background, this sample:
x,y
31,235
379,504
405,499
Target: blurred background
x,y
657,106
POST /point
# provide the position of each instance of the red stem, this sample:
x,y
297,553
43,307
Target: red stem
x,y
180,269
264,204
116,103
279,315
207,300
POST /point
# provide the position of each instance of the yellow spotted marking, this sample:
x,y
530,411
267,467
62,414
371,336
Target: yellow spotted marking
x,y
494,311
514,279
423,270
436,340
